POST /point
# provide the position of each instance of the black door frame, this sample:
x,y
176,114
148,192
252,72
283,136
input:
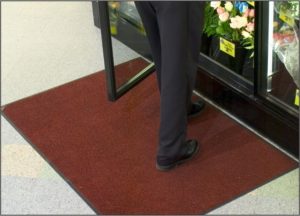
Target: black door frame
x,y
113,91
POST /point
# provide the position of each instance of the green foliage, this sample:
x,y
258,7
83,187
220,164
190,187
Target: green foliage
x,y
210,21
249,45
214,27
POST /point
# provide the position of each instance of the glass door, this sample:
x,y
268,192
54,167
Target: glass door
x,y
228,43
279,78
126,51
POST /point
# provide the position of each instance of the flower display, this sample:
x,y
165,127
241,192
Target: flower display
x,y
224,16
233,20
238,22
250,27
215,4
246,34
242,6
286,37
220,10
290,8
228,6
251,13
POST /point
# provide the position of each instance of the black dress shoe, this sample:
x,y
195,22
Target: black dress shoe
x,y
196,109
191,151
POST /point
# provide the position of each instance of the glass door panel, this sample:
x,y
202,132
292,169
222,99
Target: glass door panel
x,y
280,83
229,36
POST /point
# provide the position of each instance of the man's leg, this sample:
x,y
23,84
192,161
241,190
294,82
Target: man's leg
x,y
195,26
196,21
172,20
148,16
167,23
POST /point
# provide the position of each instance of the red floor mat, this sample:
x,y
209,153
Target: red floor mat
x,y
107,150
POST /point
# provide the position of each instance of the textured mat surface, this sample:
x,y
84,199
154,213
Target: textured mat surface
x,y
107,149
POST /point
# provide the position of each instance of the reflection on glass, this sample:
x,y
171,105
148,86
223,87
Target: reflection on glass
x,y
129,41
229,35
283,57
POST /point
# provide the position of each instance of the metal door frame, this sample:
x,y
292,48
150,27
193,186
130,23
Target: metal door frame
x,y
112,91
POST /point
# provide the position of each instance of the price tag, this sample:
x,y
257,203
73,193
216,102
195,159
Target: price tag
x,y
113,30
252,3
287,19
297,98
227,47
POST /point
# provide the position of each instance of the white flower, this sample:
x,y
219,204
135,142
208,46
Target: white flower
x,y
246,34
250,27
238,22
224,16
215,4
228,6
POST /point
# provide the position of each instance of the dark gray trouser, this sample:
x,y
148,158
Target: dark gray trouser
x,y
174,31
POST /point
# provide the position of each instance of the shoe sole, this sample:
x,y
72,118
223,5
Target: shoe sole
x,y
169,167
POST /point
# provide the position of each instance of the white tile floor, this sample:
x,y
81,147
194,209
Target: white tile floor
x,y
46,44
